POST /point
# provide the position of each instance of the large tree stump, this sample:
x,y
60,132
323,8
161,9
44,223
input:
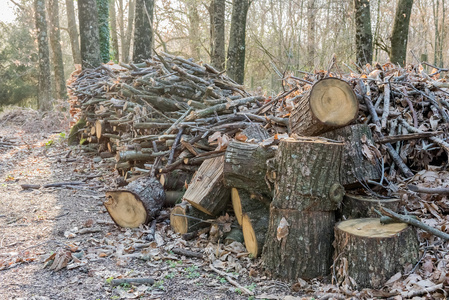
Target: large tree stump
x,y
303,249
207,192
137,203
331,103
245,167
358,206
185,218
370,253
359,161
308,176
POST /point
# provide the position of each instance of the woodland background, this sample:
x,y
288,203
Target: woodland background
x,y
281,36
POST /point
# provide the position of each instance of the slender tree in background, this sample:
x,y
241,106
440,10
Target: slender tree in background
x,y
73,31
126,38
114,36
143,31
44,90
237,46
399,35
89,37
311,19
55,42
439,31
363,35
194,28
103,28
217,29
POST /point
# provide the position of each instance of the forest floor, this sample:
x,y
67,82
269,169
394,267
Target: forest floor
x,y
60,243
89,250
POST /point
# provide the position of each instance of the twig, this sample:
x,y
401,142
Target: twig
x,y
418,189
232,281
115,282
187,253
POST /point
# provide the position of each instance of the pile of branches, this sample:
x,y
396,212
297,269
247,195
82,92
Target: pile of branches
x,y
164,114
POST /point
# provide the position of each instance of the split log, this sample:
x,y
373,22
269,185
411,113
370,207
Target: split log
x,y
308,176
255,227
331,103
358,206
371,253
243,202
356,167
185,218
245,167
207,192
137,203
298,243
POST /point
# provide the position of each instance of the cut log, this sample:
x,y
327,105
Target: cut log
x,y
358,206
308,175
100,127
185,218
176,180
207,192
370,253
255,227
245,167
243,202
331,103
255,133
235,235
298,244
137,203
356,167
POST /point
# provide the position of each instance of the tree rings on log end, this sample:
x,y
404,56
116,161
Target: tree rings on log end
x,y
370,253
125,209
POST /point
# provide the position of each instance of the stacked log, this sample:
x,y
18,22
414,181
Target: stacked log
x,y
302,214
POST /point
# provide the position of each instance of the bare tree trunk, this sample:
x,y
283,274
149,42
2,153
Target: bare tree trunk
x,y
439,32
121,26
103,28
129,31
55,41
194,29
399,35
73,31
143,31
311,12
44,91
114,36
217,12
363,35
237,46
90,40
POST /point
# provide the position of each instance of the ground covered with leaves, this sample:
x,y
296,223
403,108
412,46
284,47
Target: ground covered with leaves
x,y
60,243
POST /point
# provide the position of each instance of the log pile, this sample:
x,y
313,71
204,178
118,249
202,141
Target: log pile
x,y
280,164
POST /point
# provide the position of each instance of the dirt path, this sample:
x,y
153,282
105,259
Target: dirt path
x,y
36,223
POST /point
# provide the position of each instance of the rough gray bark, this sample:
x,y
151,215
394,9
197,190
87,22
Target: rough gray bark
x,y
217,25
55,42
237,46
44,91
73,32
311,12
103,28
399,35
126,38
143,31
90,39
114,35
363,35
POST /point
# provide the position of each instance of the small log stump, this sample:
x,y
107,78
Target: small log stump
x,y
358,206
356,167
243,202
308,176
330,104
303,249
207,192
255,227
245,167
373,252
137,203
185,218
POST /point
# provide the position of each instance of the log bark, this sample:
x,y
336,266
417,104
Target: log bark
x,y
330,104
207,192
184,218
255,227
243,202
308,176
303,249
357,206
355,166
137,203
372,252
245,167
